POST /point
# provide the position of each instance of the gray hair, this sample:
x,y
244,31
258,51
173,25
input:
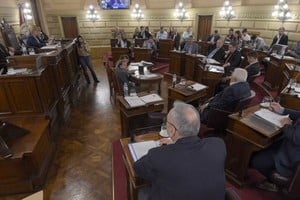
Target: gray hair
x,y
239,75
186,118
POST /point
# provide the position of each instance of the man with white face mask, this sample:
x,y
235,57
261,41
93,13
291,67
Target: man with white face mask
x,y
187,167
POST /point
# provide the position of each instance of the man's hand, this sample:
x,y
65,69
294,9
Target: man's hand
x,y
165,141
276,107
286,121
202,107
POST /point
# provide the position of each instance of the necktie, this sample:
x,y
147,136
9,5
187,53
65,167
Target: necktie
x,y
228,58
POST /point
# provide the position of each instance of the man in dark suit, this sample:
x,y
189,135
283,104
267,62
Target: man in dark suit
x,y
279,160
233,59
3,57
253,68
230,96
281,38
187,167
218,53
190,46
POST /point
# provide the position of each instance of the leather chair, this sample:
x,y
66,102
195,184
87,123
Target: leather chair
x,y
218,118
252,78
230,194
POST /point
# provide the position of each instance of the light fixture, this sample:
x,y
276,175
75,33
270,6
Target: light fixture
x,y
92,14
180,12
25,11
282,11
227,11
137,12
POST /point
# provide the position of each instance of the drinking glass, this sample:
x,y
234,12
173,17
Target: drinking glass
x,y
163,130
182,81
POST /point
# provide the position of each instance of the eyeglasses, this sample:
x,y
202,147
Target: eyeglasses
x,y
172,125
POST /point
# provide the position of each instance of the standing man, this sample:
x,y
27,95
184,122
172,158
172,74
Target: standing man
x,y
185,36
280,38
187,167
161,34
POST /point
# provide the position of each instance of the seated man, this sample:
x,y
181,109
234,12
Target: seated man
x,y
233,59
295,52
122,42
218,53
191,47
150,44
230,96
253,68
187,167
258,43
279,160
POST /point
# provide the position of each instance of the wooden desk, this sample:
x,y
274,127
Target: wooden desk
x,y
134,182
207,77
184,93
177,61
190,65
165,46
290,99
204,46
147,83
275,66
138,42
27,169
117,52
142,54
241,141
294,71
128,115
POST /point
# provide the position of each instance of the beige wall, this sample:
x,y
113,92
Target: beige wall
x,y
255,18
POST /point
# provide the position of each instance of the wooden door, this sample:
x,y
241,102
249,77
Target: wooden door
x,y
204,26
70,27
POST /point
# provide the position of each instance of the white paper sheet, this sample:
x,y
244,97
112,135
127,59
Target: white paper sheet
x,y
270,116
140,149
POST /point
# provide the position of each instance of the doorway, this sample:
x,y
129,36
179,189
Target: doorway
x,y
204,26
70,27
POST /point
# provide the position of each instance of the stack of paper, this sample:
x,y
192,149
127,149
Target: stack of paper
x,y
134,101
270,116
151,98
140,149
198,86
212,61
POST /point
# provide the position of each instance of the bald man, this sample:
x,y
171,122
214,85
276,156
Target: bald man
x,y
187,167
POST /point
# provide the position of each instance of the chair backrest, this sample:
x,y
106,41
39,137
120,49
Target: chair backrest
x,y
217,118
231,194
285,78
244,103
252,78
260,91
116,83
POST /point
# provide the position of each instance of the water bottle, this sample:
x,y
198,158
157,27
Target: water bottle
x,y
174,80
125,90
24,49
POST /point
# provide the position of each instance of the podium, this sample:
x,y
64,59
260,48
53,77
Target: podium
x,y
165,46
27,169
177,60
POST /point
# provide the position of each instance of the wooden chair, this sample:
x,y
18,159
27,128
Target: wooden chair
x,y
118,90
109,73
284,81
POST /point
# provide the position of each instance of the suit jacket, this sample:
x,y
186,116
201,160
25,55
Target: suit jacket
x,y
252,69
283,40
288,154
216,37
219,55
192,168
3,56
234,59
193,47
35,42
227,99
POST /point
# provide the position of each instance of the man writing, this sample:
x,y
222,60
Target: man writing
x,y
187,167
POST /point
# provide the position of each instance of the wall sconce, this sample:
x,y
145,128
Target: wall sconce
x,y
180,12
92,14
227,11
282,11
25,11
137,13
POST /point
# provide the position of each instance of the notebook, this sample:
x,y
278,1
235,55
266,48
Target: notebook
x,y
140,149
